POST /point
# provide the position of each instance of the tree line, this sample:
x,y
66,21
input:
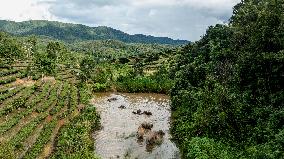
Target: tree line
x,y
228,93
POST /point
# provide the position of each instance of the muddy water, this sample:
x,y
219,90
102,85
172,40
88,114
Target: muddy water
x,y
118,136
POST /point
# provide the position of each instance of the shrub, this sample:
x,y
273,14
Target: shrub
x,y
206,148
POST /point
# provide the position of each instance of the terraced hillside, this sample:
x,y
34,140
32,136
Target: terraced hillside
x,y
36,116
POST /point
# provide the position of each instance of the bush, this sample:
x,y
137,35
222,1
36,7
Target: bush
x,y
206,148
98,87
143,84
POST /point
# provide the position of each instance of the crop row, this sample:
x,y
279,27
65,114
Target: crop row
x,y
42,140
62,99
18,102
74,140
4,90
4,66
52,102
72,105
84,94
52,98
8,72
28,129
13,78
70,102
9,93
49,127
25,132
30,107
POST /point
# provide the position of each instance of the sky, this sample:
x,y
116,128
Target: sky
x,y
177,19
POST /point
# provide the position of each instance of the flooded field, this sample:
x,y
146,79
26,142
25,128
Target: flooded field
x,y
121,116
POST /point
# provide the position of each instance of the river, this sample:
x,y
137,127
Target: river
x,y
120,119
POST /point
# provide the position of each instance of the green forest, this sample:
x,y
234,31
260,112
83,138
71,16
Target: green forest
x,y
226,89
228,93
76,32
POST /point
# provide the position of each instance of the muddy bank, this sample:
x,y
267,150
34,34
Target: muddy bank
x,y
121,116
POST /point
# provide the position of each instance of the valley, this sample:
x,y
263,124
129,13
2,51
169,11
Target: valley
x,y
71,91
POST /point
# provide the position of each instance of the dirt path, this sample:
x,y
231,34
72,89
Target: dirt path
x,y
48,148
28,143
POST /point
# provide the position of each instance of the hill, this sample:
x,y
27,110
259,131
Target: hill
x,y
76,32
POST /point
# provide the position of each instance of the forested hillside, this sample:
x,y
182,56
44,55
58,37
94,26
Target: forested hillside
x,y
76,32
228,93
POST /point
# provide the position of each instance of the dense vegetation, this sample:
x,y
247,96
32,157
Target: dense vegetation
x,y
76,32
228,93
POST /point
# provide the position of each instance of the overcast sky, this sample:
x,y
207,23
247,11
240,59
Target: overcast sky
x,y
178,19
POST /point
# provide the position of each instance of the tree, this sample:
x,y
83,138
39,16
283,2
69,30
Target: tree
x,y
259,25
229,85
30,46
10,49
52,50
86,67
47,61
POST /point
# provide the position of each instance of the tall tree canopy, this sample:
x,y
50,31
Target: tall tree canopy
x,y
10,49
228,94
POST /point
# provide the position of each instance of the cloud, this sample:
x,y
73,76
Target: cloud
x,y
179,19
24,10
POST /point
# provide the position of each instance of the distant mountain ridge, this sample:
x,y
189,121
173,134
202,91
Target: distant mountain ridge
x,y
77,32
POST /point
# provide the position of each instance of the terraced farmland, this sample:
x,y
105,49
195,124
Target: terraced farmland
x,y
36,117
